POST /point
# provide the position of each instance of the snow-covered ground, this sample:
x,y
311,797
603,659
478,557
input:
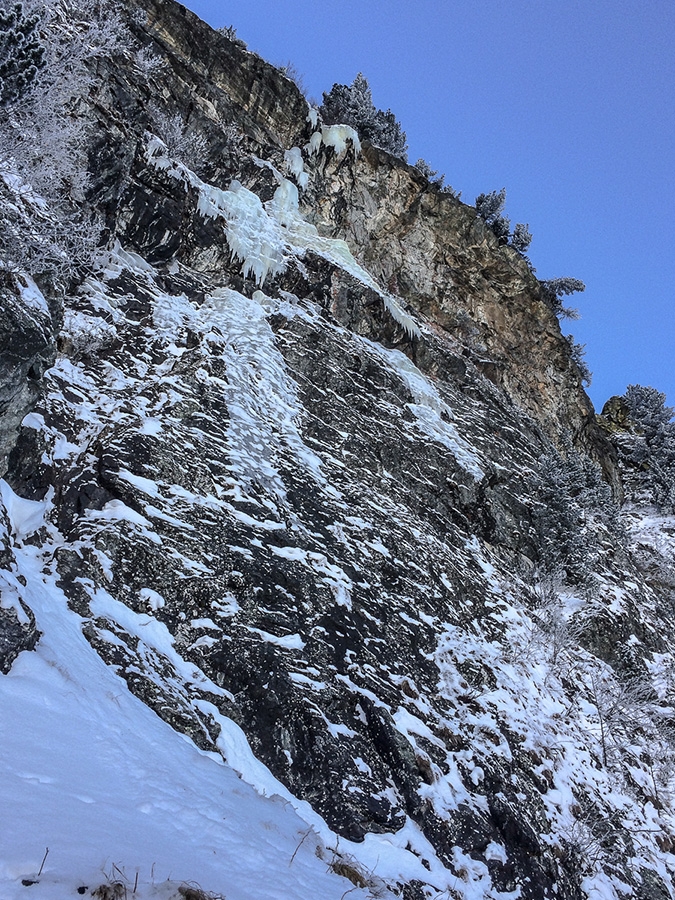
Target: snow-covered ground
x,y
98,790
90,772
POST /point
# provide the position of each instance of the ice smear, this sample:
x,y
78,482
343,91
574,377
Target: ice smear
x,y
303,236
296,167
432,415
265,237
262,399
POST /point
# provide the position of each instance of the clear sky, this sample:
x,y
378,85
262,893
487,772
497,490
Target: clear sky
x,y
568,104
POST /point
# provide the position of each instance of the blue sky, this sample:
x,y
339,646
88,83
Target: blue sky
x,y
568,104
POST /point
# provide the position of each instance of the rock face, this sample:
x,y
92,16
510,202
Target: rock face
x,y
27,349
302,440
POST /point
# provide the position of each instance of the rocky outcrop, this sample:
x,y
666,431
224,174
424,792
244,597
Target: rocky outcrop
x,y
27,349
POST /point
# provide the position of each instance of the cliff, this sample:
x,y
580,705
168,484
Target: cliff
x,y
285,475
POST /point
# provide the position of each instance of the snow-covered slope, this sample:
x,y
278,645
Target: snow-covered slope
x,y
114,794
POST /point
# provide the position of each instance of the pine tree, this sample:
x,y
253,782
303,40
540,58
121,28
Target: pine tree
x,y
651,446
554,289
574,498
521,238
21,53
490,207
353,105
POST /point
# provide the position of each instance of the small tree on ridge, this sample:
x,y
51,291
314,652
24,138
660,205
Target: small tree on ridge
x,y
352,104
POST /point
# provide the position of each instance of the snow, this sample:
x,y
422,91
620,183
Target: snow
x,y
286,642
146,485
118,511
433,417
94,775
154,600
31,295
26,516
90,772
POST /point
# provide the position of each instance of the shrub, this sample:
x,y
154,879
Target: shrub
x,y
353,105
431,174
230,32
187,146
291,71
149,65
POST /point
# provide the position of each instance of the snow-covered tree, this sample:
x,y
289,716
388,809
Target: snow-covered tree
x,y
651,443
21,52
45,137
436,178
554,289
490,207
352,104
521,238
649,412
181,142
573,500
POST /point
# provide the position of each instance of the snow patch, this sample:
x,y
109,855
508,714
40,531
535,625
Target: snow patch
x,y
433,416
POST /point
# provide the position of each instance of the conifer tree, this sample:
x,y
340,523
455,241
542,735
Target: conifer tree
x,y
573,496
353,105
490,207
521,238
554,289
651,446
